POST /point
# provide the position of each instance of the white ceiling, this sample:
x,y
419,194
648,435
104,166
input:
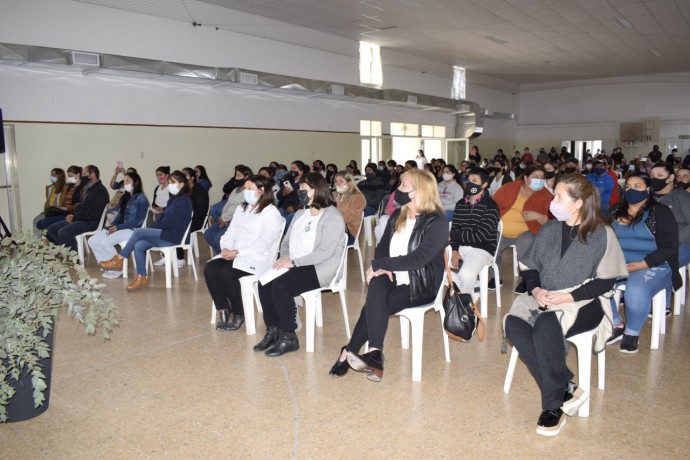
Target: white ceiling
x,y
519,41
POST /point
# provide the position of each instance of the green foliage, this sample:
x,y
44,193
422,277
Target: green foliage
x,y
38,278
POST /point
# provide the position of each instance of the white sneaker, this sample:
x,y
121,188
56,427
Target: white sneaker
x,y
180,263
159,262
112,274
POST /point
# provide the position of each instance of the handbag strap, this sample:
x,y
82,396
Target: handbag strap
x,y
481,325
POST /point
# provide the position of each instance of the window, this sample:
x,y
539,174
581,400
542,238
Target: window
x,y
370,71
459,83
404,129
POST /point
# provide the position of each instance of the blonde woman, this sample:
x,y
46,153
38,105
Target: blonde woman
x,y
407,270
350,202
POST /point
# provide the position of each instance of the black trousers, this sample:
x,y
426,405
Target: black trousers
x,y
384,298
542,348
277,297
223,282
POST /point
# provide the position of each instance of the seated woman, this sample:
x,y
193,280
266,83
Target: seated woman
x,y
373,188
235,198
648,234
350,202
407,270
569,271
524,207
160,193
131,214
72,198
246,249
168,231
310,256
55,196
200,203
202,178
449,190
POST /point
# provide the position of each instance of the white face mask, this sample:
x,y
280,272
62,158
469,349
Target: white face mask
x,y
71,180
174,189
250,197
340,189
447,177
128,188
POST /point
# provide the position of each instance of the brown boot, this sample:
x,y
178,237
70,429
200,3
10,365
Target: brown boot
x,y
139,282
115,263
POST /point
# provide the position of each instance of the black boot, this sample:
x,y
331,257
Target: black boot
x,y
236,323
224,317
286,342
269,339
371,363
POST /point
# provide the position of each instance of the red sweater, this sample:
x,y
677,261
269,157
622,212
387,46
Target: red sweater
x,y
538,201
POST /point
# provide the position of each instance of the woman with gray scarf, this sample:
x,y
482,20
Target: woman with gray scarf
x,y
569,271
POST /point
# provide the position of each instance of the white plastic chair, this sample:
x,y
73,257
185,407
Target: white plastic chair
x,y
250,292
516,270
658,314
369,222
170,254
82,247
312,300
355,246
680,294
194,236
484,279
583,343
413,317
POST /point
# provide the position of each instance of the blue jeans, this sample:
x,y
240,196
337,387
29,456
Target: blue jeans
x,y
213,234
141,241
65,233
640,287
683,255
449,214
217,209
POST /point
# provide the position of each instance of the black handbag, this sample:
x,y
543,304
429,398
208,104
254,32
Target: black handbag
x,y
462,319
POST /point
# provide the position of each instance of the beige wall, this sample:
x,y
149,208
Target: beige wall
x,y
41,147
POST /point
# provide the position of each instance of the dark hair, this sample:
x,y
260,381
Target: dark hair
x,y
282,166
411,163
137,186
334,167
134,170
320,163
301,166
392,162
579,187
244,170
666,166
371,166
124,199
322,196
191,173
74,170
273,164
599,162
532,168
182,179
266,197
93,169
164,169
268,169
202,174
621,212
452,169
481,172
61,177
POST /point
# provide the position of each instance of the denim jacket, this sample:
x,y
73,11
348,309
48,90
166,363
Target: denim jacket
x,y
135,213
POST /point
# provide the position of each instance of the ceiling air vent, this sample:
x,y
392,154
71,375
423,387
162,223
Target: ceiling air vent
x,y
411,99
338,90
86,59
249,78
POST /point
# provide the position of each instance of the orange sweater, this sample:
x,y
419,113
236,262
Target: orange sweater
x,y
538,201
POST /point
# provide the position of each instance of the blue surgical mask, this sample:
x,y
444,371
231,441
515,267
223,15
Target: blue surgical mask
x,y
53,179
598,171
250,197
633,196
537,184
370,176
279,176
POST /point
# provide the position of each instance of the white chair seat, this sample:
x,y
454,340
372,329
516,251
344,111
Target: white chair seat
x,y
82,247
484,279
658,314
583,343
355,247
680,294
369,223
170,255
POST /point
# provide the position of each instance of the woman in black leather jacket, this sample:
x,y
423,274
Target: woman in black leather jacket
x,y
407,270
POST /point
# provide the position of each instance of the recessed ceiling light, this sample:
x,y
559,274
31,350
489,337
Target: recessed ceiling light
x,y
624,22
655,52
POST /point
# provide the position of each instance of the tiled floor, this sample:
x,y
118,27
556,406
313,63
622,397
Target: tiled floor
x,y
169,385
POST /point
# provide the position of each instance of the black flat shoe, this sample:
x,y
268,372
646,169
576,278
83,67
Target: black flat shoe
x,y
268,340
286,343
340,368
235,324
223,322
371,363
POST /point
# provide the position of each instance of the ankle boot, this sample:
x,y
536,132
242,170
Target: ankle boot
x,y
371,363
113,264
139,282
269,339
236,323
287,342
224,318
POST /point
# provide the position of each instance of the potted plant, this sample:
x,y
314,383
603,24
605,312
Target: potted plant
x,y
38,279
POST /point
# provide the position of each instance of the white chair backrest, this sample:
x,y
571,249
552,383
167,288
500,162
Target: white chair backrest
x,y
498,240
361,224
340,278
186,232
101,223
276,245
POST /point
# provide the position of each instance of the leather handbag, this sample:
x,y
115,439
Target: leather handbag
x,y
462,319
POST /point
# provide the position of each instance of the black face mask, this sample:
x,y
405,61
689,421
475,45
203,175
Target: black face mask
x,y
239,183
402,198
683,186
303,197
659,184
549,175
569,170
472,189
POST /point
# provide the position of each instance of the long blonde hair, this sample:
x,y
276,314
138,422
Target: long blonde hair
x,y
352,189
427,199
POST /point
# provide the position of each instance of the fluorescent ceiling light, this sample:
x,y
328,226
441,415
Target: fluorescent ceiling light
x,y
624,22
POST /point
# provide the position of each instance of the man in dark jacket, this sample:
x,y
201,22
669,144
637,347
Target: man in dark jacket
x,y
87,213
373,188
